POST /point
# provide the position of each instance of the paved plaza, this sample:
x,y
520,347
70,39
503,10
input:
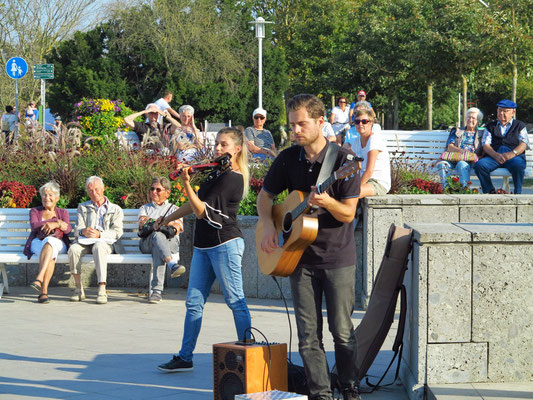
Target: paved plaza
x,y
66,350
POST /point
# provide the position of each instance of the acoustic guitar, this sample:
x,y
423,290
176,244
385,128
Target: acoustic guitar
x,y
296,226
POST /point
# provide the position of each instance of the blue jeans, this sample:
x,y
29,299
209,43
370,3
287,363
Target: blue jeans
x,y
222,262
308,285
462,168
160,247
515,165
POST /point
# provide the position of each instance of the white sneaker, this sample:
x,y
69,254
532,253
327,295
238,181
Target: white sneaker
x,y
78,295
177,270
101,298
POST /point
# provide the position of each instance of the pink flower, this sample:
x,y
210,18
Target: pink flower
x,y
124,197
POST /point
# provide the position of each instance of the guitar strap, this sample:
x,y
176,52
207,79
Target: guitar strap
x,y
329,161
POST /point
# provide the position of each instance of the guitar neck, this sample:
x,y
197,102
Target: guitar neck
x,y
304,205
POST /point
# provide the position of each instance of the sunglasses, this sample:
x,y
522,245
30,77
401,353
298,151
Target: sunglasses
x,y
361,121
259,117
158,190
342,101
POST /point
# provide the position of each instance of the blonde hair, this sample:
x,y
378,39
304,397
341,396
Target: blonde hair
x,y
242,157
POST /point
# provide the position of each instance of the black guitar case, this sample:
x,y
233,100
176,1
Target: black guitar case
x,y
376,323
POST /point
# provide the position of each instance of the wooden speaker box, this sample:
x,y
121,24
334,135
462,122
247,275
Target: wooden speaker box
x,y
239,368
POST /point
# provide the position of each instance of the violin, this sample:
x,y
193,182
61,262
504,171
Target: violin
x,y
219,165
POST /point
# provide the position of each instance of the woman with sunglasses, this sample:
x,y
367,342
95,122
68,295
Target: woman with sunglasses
x,y
218,244
161,243
375,169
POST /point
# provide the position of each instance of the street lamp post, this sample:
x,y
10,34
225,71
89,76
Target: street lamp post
x,y
260,34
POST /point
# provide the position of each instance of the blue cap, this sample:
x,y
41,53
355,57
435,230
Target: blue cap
x,y
506,104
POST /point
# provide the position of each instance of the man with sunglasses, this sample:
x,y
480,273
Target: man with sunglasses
x,y
151,126
259,141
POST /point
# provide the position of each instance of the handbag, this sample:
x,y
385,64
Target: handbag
x,y
459,156
57,233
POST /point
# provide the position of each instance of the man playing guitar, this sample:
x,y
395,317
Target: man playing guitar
x,y
327,267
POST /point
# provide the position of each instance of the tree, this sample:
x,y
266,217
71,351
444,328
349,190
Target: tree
x,y
512,40
31,31
136,62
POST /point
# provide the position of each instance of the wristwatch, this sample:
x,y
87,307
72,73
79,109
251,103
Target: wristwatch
x,y
515,152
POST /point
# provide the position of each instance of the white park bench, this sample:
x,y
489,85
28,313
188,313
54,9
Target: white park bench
x,y
425,148
15,229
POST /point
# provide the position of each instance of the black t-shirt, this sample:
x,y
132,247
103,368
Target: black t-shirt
x,y
140,128
221,197
334,246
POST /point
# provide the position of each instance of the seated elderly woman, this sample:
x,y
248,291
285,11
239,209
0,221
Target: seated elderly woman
x,y
462,149
161,243
186,136
50,226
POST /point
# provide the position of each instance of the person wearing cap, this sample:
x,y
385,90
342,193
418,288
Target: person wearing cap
x,y
361,96
504,143
152,124
259,141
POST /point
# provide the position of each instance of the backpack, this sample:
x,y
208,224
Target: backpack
x,y
5,124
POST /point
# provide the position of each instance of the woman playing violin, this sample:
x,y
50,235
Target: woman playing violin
x,y
218,244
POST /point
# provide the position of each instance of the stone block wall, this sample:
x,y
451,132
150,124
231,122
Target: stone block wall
x,y
381,211
470,300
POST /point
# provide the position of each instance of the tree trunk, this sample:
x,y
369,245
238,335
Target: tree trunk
x,y
396,118
430,106
515,77
465,100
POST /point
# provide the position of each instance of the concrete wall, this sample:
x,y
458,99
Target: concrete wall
x,y
381,211
470,300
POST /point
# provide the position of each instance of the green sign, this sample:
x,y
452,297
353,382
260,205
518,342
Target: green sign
x,y
43,71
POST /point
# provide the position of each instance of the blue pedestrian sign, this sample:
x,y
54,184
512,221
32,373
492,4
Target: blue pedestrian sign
x,y
16,67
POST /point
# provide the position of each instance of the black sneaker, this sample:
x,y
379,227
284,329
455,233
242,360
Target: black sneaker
x,y
351,394
176,365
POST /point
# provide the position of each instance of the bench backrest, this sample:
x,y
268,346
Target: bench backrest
x,y
15,229
427,146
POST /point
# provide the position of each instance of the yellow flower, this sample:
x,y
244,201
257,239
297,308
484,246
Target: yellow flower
x,y
196,188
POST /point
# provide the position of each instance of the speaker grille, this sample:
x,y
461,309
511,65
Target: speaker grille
x,y
230,385
231,360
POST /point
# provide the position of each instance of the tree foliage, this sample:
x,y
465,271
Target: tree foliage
x,y
149,47
31,31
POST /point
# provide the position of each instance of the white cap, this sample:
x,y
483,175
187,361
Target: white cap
x,y
260,111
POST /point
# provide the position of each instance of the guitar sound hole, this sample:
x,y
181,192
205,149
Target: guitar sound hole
x,y
287,222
